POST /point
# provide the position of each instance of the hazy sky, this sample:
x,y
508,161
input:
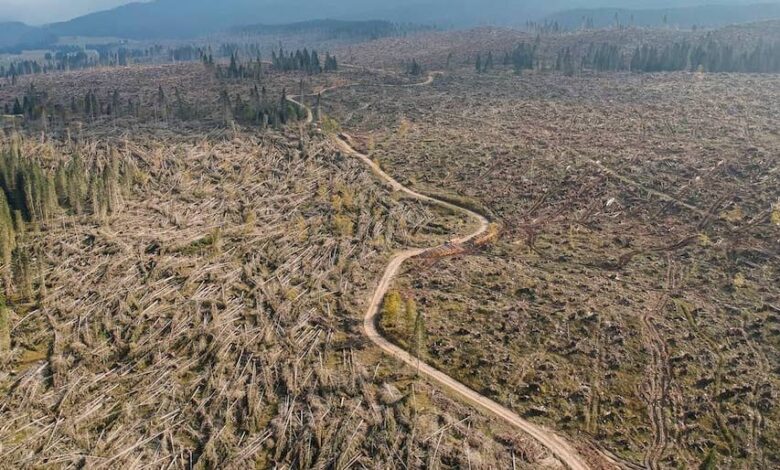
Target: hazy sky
x,y
47,11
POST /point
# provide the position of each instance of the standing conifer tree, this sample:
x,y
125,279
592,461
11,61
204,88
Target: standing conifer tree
x,y
418,336
7,232
5,326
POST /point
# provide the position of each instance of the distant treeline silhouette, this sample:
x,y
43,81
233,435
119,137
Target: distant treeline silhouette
x,y
709,55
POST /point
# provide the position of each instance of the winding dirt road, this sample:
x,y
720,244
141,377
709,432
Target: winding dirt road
x,y
561,449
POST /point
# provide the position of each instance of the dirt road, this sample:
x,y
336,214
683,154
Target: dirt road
x,y
554,443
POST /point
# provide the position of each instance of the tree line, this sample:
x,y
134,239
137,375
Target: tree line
x,y
38,106
404,322
165,105
713,56
33,193
708,56
77,58
523,57
74,58
237,69
300,60
303,60
259,109
546,27
414,68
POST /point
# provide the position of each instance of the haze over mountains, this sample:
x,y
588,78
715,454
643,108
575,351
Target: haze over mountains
x,y
189,18
38,12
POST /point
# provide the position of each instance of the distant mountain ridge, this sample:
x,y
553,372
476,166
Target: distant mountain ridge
x,y
14,33
172,19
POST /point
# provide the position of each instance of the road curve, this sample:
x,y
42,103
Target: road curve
x,y
561,449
